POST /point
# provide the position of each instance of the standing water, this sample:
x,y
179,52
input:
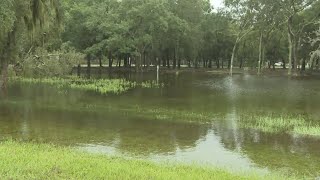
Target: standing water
x,y
193,118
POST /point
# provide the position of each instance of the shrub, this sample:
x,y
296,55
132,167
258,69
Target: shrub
x,y
42,63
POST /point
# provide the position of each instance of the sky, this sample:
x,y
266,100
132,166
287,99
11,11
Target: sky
x,y
217,3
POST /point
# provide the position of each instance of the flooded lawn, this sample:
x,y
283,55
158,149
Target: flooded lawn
x,y
193,118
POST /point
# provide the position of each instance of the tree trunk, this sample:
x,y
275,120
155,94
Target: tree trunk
x,y
260,53
168,59
273,66
125,61
110,60
290,54
174,59
292,47
283,64
139,62
294,56
88,66
5,57
303,64
148,61
79,70
163,62
100,61
4,77
144,59
232,57
313,60
179,63
210,63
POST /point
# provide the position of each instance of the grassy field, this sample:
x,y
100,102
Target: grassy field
x,y
39,161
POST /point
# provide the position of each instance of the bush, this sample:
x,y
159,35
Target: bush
x,y
42,63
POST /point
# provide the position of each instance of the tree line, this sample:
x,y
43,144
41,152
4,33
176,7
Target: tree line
x,y
169,33
172,33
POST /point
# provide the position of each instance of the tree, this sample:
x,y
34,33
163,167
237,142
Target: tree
x,y
268,19
244,16
299,14
18,16
315,54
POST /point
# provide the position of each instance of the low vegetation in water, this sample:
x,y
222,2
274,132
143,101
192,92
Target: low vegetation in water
x,y
102,86
288,124
39,161
152,84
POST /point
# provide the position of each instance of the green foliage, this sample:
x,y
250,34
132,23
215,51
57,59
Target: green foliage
x,y
6,17
42,63
162,32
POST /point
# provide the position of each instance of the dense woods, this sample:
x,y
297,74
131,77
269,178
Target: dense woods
x,y
171,33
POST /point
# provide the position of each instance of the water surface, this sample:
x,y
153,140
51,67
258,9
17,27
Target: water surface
x,y
126,125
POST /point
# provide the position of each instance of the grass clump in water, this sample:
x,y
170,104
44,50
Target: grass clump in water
x,y
102,86
152,84
39,161
308,130
288,124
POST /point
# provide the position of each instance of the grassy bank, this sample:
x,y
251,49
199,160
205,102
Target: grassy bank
x,y
287,124
34,161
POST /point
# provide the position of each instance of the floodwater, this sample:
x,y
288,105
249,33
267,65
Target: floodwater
x,y
125,125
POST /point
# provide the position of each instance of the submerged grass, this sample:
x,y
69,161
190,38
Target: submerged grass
x,y
167,114
39,161
308,130
102,86
288,124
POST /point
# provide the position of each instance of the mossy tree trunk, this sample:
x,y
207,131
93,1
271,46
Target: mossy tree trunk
x,y
4,77
5,56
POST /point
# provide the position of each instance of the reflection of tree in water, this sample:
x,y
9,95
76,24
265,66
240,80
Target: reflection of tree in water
x,y
9,121
285,152
127,134
154,137
280,152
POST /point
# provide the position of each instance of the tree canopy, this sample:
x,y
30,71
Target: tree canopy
x,y
170,33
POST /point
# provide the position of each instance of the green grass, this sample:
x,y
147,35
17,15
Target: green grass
x,y
308,130
40,161
288,124
102,86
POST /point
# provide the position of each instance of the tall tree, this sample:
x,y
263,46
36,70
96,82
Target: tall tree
x,y
244,18
20,15
298,18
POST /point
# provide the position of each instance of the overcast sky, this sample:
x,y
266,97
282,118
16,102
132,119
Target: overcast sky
x,y
217,3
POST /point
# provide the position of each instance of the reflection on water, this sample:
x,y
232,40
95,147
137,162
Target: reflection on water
x,y
87,121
